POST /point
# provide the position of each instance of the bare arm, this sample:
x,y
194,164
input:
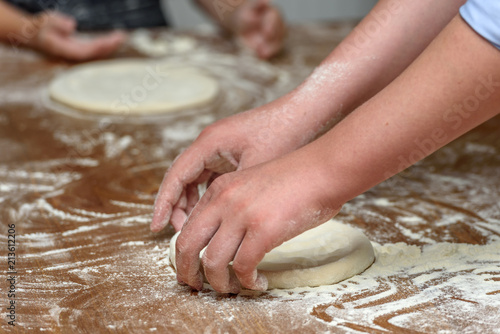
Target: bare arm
x,y
386,41
450,89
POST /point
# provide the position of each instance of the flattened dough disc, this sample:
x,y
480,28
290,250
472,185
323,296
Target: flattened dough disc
x,y
327,254
133,87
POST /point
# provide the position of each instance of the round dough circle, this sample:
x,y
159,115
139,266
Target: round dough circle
x,y
133,87
327,254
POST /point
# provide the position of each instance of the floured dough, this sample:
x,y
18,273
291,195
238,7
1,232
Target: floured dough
x,y
327,254
133,86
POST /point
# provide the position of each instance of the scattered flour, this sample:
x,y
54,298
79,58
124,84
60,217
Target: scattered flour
x,y
132,243
431,272
80,229
394,293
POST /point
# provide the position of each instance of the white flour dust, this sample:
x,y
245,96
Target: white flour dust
x,y
458,277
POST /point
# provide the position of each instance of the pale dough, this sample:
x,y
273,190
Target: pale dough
x,y
133,87
142,40
327,254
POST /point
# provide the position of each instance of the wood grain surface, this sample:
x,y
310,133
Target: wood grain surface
x,y
80,190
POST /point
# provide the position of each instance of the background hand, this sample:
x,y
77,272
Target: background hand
x,y
56,37
261,28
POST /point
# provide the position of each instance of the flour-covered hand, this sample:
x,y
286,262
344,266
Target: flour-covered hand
x,y
245,214
234,143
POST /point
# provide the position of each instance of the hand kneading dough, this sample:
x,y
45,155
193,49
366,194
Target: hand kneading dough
x,y
327,254
133,87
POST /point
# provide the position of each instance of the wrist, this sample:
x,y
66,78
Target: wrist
x,y
287,121
321,187
333,179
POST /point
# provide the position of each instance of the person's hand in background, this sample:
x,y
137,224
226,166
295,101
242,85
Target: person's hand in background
x,y
257,23
54,34
260,26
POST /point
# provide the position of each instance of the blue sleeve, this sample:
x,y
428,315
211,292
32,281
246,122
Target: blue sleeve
x,y
484,17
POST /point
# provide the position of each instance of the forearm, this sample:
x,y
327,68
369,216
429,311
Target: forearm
x,y
451,88
388,39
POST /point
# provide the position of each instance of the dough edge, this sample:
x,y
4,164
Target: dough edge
x,y
346,267
327,274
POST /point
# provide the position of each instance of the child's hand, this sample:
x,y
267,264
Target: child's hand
x,y
234,143
261,28
56,36
245,214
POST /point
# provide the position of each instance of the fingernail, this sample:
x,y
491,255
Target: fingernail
x,y
157,227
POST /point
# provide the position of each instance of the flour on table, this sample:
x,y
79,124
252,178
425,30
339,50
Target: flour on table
x,y
327,254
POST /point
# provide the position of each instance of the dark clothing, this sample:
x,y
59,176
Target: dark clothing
x,y
101,14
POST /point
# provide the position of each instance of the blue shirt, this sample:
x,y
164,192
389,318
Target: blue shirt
x,y
484,17
101,14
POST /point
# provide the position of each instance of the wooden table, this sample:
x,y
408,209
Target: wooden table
x,y
80,193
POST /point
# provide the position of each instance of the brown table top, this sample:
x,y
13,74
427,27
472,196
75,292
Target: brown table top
x,y
80,192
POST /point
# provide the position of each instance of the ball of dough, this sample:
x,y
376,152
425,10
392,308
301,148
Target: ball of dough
x,y
327,254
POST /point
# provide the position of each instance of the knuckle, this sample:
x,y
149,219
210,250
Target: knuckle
x,y
214,273
182,247
209,131
222,129
257,223
220,287
209,264
217,184
260,235
237,203
223,187
242,269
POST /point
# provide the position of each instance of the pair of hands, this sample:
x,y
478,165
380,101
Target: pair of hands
x,y
258,25
267,193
